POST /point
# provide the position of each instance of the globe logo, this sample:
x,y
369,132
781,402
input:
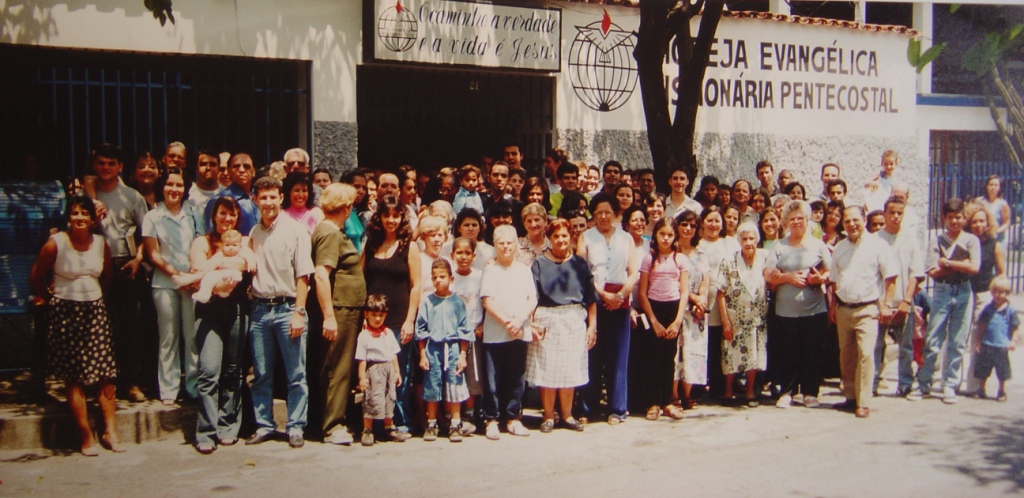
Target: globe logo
x,y
601,66
397,28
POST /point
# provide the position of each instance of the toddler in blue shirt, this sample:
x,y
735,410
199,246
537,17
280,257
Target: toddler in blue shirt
x,y
467,196
995,338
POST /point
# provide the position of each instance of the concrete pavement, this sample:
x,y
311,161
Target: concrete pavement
x,y
973,448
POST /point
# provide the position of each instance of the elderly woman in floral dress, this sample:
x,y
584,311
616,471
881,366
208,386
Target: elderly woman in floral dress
x,y
743,306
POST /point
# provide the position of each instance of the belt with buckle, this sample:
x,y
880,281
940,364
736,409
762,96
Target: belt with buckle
x,y
275,300
854,305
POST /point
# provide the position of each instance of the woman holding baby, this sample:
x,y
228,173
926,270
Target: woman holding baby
x,y
220,334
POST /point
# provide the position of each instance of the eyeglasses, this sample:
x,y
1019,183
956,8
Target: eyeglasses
x,y
241,165
290,163
208,163
688,225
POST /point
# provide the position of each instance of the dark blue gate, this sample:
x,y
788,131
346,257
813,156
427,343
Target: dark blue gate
x,y
967,181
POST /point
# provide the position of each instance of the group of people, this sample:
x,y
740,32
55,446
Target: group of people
x,y
464,286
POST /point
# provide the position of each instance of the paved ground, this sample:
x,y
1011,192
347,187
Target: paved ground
x,y
975,448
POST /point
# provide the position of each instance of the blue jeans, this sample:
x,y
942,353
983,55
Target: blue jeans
x,y
609,360
269,336
905,362
220,336
949,323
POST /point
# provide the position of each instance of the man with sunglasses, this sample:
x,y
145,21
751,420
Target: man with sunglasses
x,y
241,171
297,159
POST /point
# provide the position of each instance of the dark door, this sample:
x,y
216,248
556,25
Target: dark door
x,y
432,117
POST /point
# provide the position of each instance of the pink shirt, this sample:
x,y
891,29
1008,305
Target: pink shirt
x,y
308,218
663,280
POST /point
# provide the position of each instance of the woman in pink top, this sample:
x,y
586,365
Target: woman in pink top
x,y
663,285
298,201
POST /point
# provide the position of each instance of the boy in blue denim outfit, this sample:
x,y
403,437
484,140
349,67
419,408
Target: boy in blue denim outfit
x,y
443,335
951,260
995,338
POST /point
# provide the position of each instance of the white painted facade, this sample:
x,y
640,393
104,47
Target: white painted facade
x,y
731,139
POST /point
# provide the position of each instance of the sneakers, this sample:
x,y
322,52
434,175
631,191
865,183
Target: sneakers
x,y
493,432
395,435
295,440
455,434
467,429
784,401
430,434
516,428
367,438
340,436
811,402
949,396
913,394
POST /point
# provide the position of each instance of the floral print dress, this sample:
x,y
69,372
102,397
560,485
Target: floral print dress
x,y
746,302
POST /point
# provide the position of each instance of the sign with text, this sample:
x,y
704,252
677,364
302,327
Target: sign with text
x,y
472,34
763,77
772,77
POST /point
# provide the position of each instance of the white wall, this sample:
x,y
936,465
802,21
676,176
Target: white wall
x,y
326,32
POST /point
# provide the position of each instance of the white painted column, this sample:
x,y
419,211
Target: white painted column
x,y
860,11
923,23
779,7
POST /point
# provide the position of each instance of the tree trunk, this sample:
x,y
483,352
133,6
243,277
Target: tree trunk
x,y
661,22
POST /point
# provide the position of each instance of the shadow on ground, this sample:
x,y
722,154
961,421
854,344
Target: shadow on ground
x,y
990,452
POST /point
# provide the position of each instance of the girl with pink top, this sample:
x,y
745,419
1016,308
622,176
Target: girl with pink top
x,y
663,286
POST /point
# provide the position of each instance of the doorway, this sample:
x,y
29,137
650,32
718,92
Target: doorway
x,y
435,117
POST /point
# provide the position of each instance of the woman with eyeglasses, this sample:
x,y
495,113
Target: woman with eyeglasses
x,y
797,266
691,368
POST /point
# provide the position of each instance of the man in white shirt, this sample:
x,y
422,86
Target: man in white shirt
x,y
277,316
908,251
206,185
861,269
678,201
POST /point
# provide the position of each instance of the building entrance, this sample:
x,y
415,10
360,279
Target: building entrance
x,y
433,117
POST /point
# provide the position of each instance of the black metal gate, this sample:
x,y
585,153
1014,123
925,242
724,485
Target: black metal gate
x,y
430,117
57,103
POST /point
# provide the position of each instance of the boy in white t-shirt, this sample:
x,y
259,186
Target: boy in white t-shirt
x,y
379,374
466,284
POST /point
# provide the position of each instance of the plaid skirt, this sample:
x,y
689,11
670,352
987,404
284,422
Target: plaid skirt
x,y
80,342
560,360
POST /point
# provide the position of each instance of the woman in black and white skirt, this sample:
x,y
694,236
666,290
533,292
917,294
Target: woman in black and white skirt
x,y
566,320
69,272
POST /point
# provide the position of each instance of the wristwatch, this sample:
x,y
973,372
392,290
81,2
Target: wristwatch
x,y
300,310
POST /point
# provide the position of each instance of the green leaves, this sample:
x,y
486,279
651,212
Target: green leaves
x,y
920,60
982,56
161,10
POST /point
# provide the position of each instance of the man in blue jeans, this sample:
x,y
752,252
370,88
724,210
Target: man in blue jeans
x,y
951,260
278,313
908,253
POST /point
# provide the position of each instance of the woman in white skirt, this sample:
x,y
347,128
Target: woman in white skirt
x,y
566,326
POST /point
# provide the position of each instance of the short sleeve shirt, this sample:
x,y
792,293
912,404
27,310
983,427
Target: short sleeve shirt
x,y
331,247
126,211
282,256
377,349
663,279
791,301
512,289
174,234
999,325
